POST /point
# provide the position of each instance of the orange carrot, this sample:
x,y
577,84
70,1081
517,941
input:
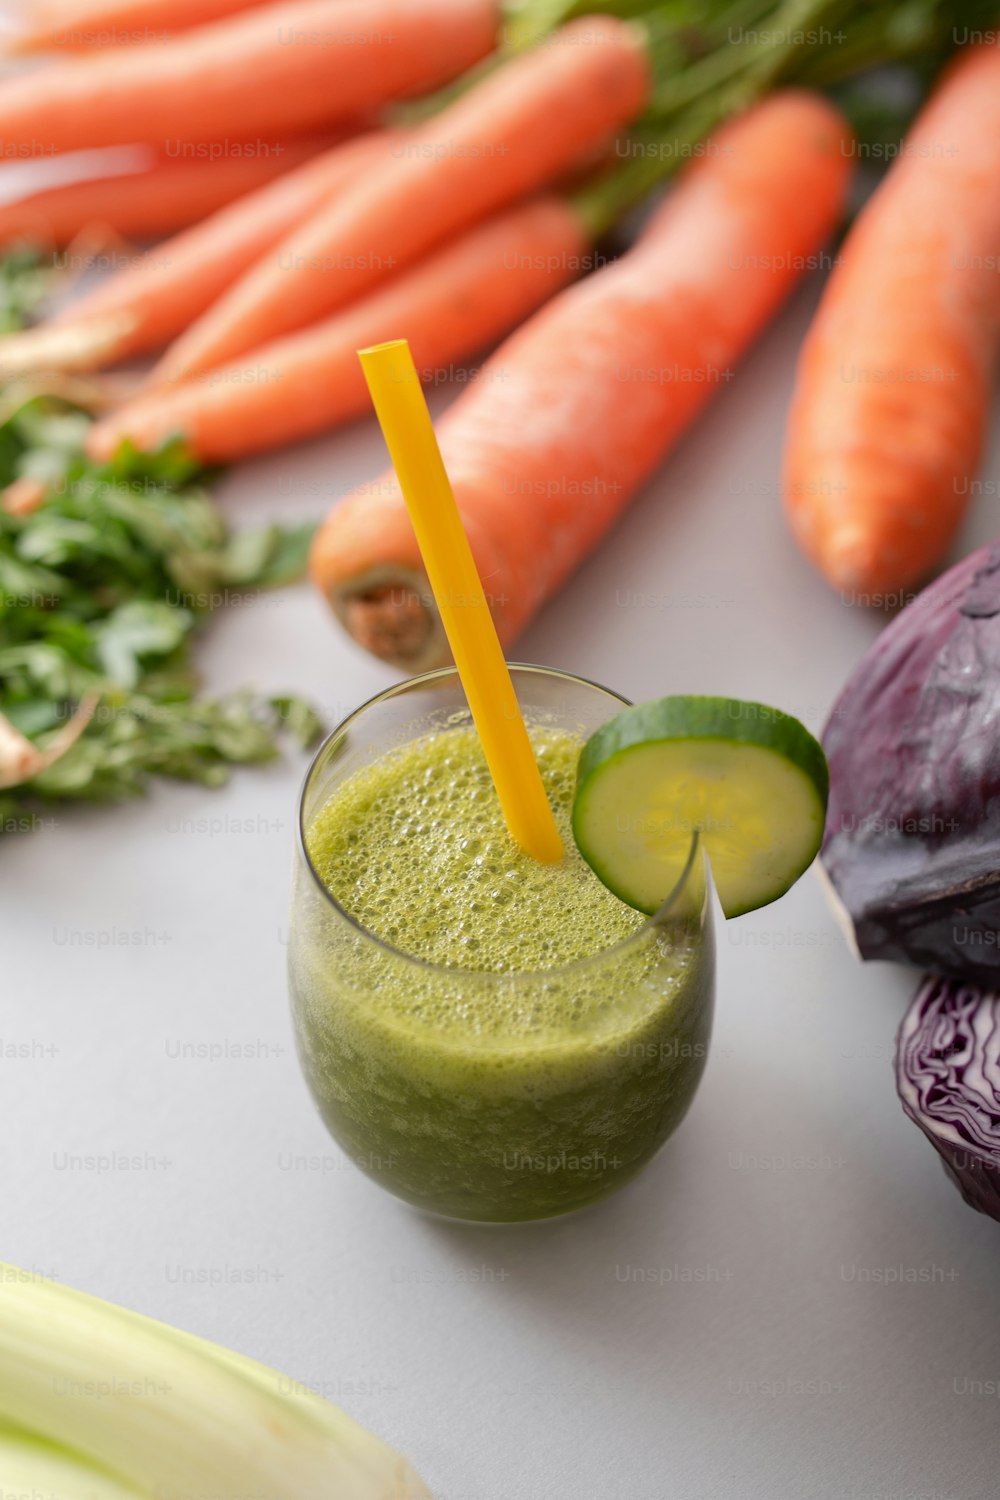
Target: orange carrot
x,y
598,385
459,300
894,382
148,303
276,68
158,198
511,134
77,24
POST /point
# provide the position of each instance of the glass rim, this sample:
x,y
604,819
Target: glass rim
x,y
424,965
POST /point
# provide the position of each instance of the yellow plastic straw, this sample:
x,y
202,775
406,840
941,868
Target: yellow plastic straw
x,y
458,592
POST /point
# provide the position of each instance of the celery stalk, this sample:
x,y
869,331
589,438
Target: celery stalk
x,y
30,1466
173,1415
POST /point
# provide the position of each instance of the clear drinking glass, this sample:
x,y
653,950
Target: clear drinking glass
x,y
593,1065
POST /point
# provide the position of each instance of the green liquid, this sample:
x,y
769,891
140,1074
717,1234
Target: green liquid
x,y
417,851
550,1040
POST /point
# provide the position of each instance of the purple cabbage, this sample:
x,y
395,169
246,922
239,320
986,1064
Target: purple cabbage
x,y
948,1077
912,843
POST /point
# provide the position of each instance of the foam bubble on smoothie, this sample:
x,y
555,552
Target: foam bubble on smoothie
x,y
415,847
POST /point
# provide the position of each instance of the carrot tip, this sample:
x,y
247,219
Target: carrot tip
x,y
57,348
100,445
859,568
16,44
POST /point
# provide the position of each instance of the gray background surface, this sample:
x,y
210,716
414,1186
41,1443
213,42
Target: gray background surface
x,y
791,1302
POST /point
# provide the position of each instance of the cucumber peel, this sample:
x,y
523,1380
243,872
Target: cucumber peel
x,y
749,779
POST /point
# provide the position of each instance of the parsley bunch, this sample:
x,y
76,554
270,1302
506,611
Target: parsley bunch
x,y
103,587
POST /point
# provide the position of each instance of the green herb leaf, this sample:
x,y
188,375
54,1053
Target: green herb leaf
x,y
103,588
133,633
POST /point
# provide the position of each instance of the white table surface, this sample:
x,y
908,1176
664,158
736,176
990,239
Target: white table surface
x,y
791,1302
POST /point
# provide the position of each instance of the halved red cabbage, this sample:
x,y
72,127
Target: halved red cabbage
x,y
912,844
948,1077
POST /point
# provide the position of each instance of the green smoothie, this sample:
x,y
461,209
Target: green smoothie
x,y
520,1042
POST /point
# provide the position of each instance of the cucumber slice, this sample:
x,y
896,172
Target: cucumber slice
x,y
751,779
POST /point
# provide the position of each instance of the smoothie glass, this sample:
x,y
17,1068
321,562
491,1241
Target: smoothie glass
x,y
494,1097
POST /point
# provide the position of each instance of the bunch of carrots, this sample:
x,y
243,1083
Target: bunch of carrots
x,y
309,210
